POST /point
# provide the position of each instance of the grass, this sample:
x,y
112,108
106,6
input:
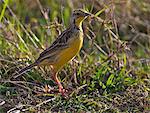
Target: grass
x,y
110,75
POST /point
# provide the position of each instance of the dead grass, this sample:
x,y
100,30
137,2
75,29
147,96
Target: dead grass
x,y
111,74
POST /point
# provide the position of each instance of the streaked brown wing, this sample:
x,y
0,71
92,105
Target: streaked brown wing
x,y
50,57
59,44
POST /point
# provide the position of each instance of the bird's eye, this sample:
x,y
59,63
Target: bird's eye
x,y
78,14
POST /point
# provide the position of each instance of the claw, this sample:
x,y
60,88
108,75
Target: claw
x,y
47,89
63,91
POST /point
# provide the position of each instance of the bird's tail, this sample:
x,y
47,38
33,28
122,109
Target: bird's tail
x,y
17,74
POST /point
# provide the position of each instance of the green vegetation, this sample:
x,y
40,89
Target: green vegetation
x,y
110,75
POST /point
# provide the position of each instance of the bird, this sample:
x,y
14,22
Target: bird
x,y
66,46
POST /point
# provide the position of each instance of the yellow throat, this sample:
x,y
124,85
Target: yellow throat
x,y
78,22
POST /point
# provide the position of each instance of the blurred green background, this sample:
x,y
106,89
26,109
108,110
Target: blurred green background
x,y
111,73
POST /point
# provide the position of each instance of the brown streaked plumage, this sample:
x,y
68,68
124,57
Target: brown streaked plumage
x,y
63,49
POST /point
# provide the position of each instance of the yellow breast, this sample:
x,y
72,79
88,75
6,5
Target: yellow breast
x,y
67,54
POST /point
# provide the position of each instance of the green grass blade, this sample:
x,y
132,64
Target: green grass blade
x,y
4,8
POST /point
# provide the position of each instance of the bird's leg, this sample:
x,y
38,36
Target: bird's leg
x,y
61,89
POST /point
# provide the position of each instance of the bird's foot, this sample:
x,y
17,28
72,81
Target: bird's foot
x,y
48,89
63,91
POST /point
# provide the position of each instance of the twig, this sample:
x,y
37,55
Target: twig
x,y
42,11
40,104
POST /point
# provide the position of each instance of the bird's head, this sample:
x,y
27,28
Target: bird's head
x,y
78,16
